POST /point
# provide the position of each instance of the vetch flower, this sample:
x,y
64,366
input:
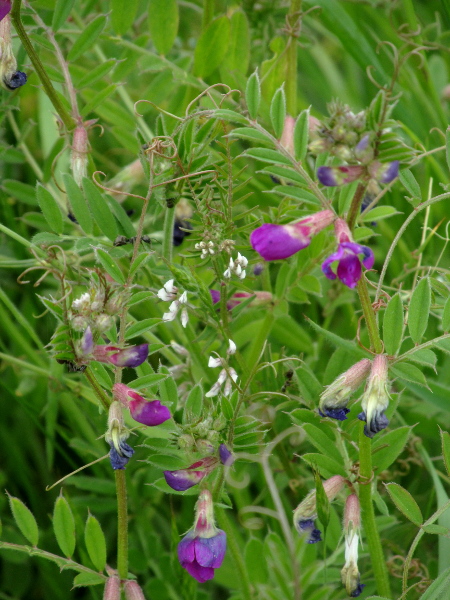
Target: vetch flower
x,y
333,176
127,357
112,588
207,248
352,522
5,8
306,511
203,548
376,397
175,307
334,399
226,458
183,479
120,452
149,413
384,172
168,292
10,77
237,267
274,242
225,376
347,255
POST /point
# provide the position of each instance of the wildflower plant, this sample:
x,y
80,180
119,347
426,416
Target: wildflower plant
x,y
225,300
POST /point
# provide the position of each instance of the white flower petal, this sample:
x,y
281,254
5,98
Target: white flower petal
x,y
214,362
183,298
231,347
169,316
213,391
184,317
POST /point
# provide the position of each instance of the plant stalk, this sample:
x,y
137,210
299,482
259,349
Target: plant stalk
x,y
122,523
294,23
167,245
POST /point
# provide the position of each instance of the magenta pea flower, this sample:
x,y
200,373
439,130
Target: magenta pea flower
x,y
127,357
149,413
5,8
347,256
274,242
183,479
335,176
203,548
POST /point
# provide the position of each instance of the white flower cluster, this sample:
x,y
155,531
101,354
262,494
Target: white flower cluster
x,y
237,267
83,303
207,248
169,292
227,375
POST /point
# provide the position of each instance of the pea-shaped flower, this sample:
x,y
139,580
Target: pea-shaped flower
x,y
147,412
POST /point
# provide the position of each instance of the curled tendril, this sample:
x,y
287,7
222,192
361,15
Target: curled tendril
x,y
157,108
369,69
206,92
107,189
438,131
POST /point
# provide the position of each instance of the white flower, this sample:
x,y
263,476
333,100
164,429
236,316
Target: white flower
x,y
175,308
226,376
231,347
168,292
83,302
237,267
206,248
214,362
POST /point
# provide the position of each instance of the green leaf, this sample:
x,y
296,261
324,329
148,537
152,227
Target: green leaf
x,y
326,466
424,356
379,213
98,99
95,542
438,590
447,146
211,47
86,579
405,503
320,440
87,38
301,135
322,502
446,316
229,115
255,561
238,53
64,526
163,20
410,183
148,380
96,73
100,209
253,94
278,111
168,391
110,265
409,372
20,191
436,529
61,12
445,440
50,209
78,204
388,447
393,325
24,519
123,13
247,133
419,310
296,192
141,327
194,405
266,155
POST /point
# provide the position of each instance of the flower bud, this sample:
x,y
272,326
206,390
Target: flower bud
x,y
133,590
334,399
103,322
352,520
115,436
376,397
128,357
112,588
10,77
79,157
183,479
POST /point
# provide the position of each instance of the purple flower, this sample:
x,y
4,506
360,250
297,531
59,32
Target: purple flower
x,y
340,414
275,242
5,8
149,413
120,458
183,479
307,526
117,433
87,342
349,267
128,357
226,458
333,176
389,172
203,548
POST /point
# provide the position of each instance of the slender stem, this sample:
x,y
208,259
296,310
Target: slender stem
x,y
235,552
368,516
294,22
65,117
104,399
355,207
369,316
167,247
122,522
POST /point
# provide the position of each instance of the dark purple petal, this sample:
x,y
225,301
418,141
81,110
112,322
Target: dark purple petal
x,y
5,7
226,457
186,548
183,479
349,270
358,590
149,413
275,242
390,172
327,177
17,80
326,265
209,552
201,574
335,413
215,296
378,423
118,461
307,525
368,259
130,357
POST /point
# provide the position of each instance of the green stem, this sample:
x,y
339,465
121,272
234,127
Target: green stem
x,y
104,399
235,552
355,208
258,344
167,245
369,316
122,523
208,13
294,22
368,516
65,117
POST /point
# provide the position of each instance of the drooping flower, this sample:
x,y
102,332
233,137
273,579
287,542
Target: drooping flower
x,y
306,511
352,522
203,548
275,242
175,307
226,376
183,479
10,77
116,436
149,413
380,172
127,357
376,397
206,248
168,292
334,399
347,255
236,266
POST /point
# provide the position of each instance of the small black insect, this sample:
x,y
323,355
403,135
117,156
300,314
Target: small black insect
x,y
71,366
178,231
121,240
288,382
170,202
72,217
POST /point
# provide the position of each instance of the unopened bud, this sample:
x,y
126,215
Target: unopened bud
x,y
104,322
79,158
133,590
112,588
376,397
334,399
